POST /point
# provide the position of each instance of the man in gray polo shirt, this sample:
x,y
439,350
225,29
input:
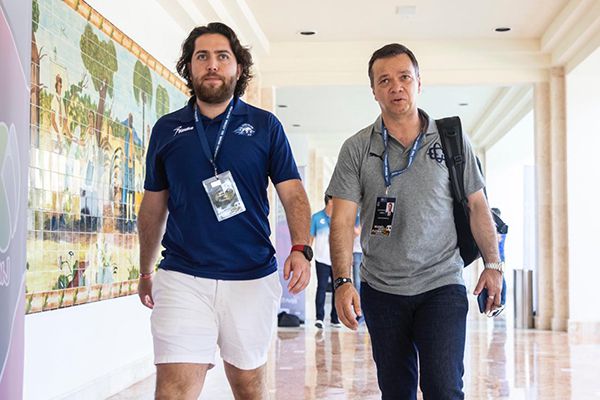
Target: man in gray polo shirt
x,y
413,294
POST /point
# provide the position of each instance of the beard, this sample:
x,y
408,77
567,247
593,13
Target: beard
x,y
214,94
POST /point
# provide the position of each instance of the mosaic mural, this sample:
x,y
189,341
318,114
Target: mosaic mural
x,y
95,96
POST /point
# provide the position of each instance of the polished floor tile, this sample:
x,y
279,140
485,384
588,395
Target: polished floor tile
x,y
500,363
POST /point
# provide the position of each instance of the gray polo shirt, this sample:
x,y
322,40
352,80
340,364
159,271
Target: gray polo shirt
x,y
421,253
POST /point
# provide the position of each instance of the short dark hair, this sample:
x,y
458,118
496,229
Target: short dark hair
x,y
241,53
392,50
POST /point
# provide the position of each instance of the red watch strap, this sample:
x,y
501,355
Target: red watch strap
x,y
298,247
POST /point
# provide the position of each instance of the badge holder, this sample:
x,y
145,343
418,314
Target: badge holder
x,y
384,215
224,196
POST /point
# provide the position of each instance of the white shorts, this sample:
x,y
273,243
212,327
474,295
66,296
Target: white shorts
x,y
192,316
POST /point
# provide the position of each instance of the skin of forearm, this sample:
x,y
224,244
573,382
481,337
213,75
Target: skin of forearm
x,y
341,237
298,218
151,227
297,211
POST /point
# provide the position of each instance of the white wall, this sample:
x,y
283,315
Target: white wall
x,y
506,164
89,351
583,143
300,148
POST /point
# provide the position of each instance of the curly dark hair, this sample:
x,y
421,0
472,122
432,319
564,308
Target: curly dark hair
x,y
391,50
241,53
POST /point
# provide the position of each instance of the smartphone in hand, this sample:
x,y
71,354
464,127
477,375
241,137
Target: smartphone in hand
x,y
482,300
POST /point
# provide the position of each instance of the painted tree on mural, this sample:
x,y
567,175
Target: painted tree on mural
x,y
142,90
162,101
36,56
100,59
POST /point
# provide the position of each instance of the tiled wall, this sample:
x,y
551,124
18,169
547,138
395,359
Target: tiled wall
x,y
95,97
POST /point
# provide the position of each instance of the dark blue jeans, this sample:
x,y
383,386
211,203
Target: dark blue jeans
x,y
324,273
429,327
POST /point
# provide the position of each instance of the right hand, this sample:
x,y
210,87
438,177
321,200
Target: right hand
x,y
145,291
347,304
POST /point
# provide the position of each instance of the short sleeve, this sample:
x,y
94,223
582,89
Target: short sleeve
x,y
156,177
282,166
345,181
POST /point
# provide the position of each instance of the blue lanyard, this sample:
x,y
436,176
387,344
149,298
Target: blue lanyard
x,y
387,175
204,140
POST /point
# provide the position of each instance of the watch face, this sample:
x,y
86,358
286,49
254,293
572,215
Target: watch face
x,y
308,253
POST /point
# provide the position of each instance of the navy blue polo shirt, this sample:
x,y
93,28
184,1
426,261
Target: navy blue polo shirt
x,y
254,149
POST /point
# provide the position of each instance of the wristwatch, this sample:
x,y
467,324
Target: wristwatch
x,y
304,249
498,266
340,281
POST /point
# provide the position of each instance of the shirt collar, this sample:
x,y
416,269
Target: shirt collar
x,y
431,125
240,108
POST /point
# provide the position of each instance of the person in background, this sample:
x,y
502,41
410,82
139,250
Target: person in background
x,y
356,254
501,232
319,235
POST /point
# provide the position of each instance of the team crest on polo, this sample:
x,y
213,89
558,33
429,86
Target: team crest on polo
x,y
245,130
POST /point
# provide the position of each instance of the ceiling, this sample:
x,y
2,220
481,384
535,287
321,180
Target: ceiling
x,y
399,20
322,78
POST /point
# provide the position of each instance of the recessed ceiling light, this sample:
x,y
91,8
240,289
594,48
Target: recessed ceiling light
x,y
307,33
282,105
502,29
296,125
463,104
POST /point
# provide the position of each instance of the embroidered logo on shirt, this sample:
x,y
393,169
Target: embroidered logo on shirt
x,y
436,153
245,130
179,130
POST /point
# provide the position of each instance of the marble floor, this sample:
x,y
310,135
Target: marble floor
x,y
500,363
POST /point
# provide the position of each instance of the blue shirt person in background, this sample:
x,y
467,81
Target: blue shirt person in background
x,y
356,254
319,235
501,231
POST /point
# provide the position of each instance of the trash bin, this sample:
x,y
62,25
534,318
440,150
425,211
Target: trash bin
x,y
523,298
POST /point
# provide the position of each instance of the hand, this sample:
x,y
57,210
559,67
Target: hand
x,y
347,304
145,292
492,280
298,267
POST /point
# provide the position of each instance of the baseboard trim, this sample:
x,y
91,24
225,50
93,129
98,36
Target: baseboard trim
x,y
114,382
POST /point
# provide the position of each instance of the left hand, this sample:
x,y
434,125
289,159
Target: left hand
x,y
298,267
492,280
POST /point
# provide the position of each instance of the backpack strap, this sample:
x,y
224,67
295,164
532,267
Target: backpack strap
x,y
450,130
451,137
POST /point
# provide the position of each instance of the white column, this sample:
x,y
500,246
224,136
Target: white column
x,y
543,165
560,234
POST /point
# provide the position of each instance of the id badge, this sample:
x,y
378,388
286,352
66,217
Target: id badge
x,y
384,215
224,196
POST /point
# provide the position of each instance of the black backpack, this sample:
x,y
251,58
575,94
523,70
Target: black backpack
x,y
287,320
450,130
